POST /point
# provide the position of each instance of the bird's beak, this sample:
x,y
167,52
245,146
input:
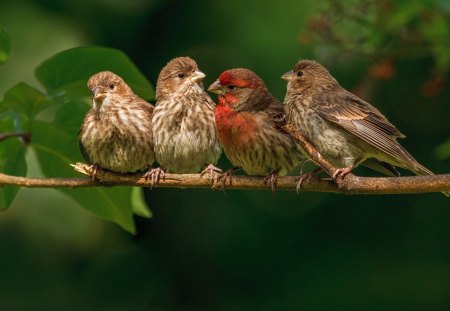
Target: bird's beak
x,y
288,76
197,76
216,87
97,93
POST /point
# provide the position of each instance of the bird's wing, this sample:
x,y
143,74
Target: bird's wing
x,y
277,116
364,121
344,107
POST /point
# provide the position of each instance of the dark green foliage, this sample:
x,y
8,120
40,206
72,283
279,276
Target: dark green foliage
x,y
5,46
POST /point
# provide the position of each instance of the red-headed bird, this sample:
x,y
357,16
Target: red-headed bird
x,y
250,124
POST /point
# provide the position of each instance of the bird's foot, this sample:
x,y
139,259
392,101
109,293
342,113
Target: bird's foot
x,y
340,174
155,175
212,170
305,177
95,169
228,175
272,178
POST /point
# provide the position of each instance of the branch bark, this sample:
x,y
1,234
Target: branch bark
x,y
350,185
358,185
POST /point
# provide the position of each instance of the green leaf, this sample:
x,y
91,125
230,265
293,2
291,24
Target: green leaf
x,y
5,46
26,100
55,150
60,147
138,204
67,72
70,115
12,162
111,204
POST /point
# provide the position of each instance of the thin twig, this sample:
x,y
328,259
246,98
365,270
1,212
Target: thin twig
x,y
26,136
31,182
316,157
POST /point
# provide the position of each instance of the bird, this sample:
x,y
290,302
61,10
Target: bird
x,y
183,121
345,129
250,123
116,133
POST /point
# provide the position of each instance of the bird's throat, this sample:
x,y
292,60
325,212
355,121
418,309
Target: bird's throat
x,y
234,128
97,107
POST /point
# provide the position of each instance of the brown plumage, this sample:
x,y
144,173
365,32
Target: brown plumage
x,y
184,132
250,123
344,128
116,133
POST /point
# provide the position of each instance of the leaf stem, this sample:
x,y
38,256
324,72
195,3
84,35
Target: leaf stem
x,y
25,136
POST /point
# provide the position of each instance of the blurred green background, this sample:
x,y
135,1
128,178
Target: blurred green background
x,y
243,250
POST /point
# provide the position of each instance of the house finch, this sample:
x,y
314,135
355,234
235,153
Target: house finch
x,y
345,129
184,133
250,123
116,133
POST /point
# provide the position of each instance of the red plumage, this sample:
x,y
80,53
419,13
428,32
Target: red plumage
x,y
250,125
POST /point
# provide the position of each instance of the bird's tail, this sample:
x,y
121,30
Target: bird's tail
x,y
381,167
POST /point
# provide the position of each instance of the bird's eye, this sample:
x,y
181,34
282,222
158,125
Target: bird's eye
x,y
299,73
231,87
112,86
181,75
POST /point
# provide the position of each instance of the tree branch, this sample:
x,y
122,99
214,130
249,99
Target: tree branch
x,y
350,185
358,185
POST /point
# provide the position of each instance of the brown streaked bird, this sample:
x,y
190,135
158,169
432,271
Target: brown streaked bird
x,y
250,123
116,133
183,120
345,129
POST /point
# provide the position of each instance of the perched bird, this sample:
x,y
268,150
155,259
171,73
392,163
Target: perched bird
x,y
345,129
184,132
116,133
250,123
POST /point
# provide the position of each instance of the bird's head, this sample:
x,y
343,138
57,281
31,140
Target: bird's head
x,y
105,85
240,89
307,74
180,73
